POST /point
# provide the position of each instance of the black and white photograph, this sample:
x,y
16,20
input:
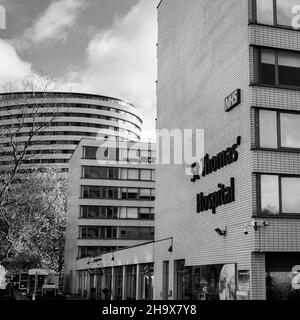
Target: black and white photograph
x,y
149,153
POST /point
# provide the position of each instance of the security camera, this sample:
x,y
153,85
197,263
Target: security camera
x,y
221,232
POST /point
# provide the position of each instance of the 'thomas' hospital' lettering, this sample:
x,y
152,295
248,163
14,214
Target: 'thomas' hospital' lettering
x,y
223,196
221,160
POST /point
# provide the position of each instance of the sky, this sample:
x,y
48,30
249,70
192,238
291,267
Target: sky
x,y
105,47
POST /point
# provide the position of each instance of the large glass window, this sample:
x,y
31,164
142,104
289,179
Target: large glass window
x,y
130,288
279,194
265,12
284,11
269,194
267,67
289,69
99,212
276,12
100,173
290,133
268,129
279,68
279,129
290,195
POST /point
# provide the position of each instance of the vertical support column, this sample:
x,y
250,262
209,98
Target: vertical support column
x,y
138,284
171,279
112,283
124,283
258,277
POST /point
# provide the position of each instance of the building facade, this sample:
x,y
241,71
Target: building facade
x,y
63,119
234,68
231,229
110,207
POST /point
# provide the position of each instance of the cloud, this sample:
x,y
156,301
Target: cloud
x,y
121,61
12,68
55,22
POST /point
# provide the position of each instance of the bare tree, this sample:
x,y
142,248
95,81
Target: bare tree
x,y
26,115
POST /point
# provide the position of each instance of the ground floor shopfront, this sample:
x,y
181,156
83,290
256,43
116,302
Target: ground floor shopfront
x,y
270,276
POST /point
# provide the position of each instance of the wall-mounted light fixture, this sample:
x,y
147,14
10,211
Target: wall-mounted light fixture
x,y
221,232
113,256
171,247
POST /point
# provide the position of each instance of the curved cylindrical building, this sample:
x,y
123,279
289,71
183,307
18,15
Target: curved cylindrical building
x,y
61,120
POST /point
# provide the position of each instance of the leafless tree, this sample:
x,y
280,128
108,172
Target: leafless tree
x,y
25,116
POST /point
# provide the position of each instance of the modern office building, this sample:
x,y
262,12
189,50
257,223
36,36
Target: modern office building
x,y
234,67
110,207
231,68
62,119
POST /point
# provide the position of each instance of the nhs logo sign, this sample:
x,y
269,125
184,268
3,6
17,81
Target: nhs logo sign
x,y
2,18
233,100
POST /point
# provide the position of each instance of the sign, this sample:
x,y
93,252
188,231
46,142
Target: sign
x,y
217,162
223,196
243,292
296,278
233,100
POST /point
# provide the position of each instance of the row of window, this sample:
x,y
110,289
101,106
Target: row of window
x,y
43,142
107,232
278,194
278,130
36,161
38,152
87,251
66,114
70,124
276,12
104,212
118,154
101,192
90,172
70,106
45,95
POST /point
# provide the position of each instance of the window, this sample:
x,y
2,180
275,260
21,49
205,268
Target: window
x,y
98,212
137,233
133,174
129,193
145,194
146,175
89,152
267,67
269,194
281,68
132,213
290,195
279,194
93,192
146,213
85,252
265,11
268,129
289,69
90,232
290,133
276,12
278,129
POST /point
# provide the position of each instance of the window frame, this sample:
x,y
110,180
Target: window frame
x,y
276,53
275,17
278,129
280,214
